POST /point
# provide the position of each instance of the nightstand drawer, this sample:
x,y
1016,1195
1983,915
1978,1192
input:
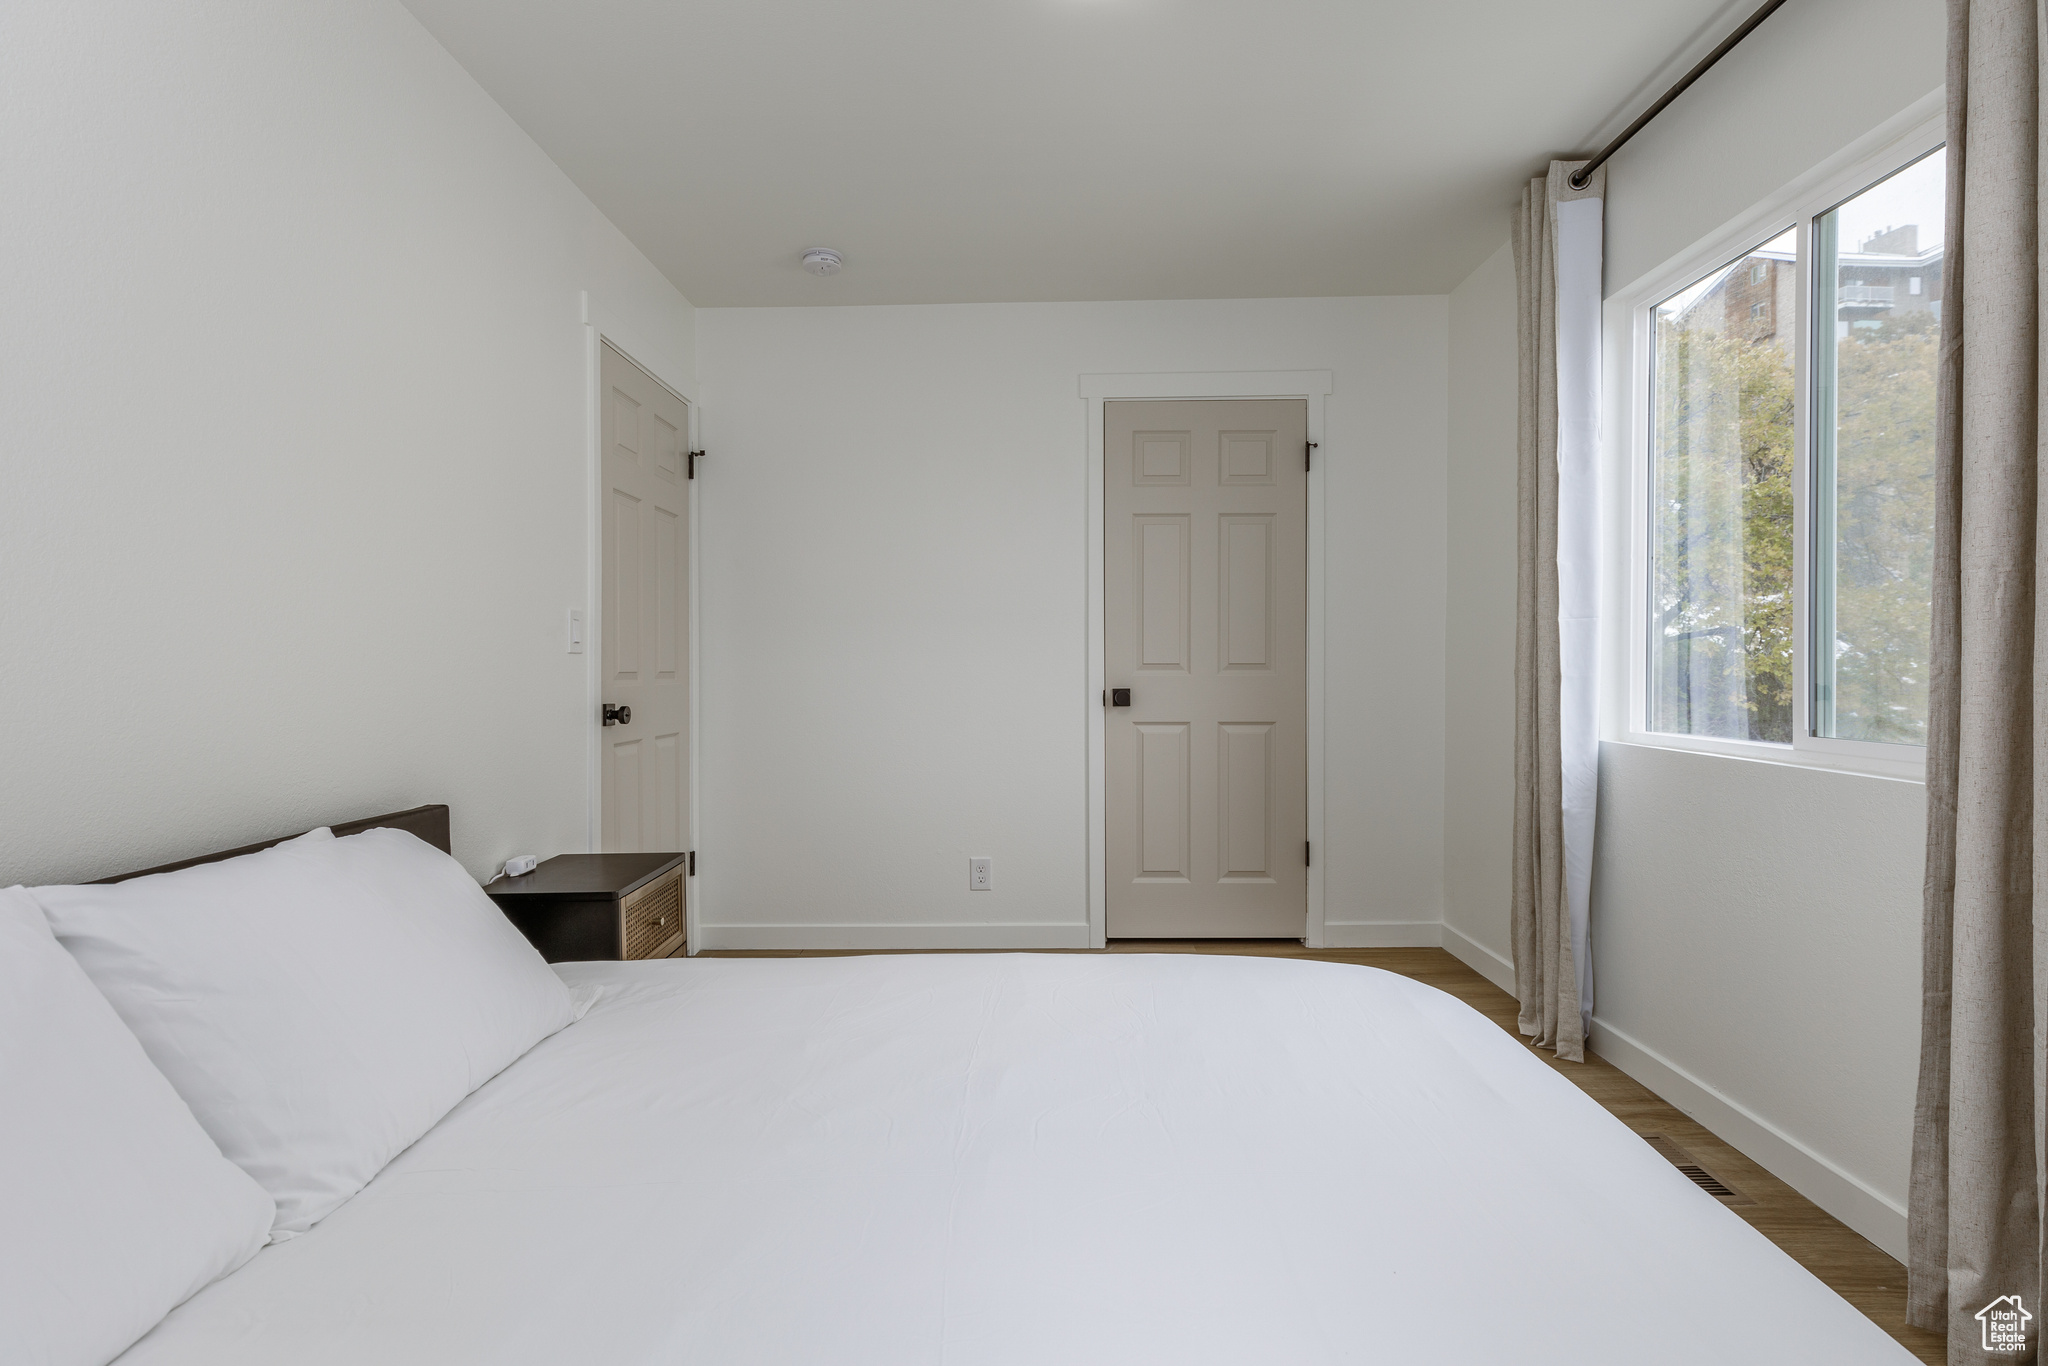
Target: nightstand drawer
x,y
651,919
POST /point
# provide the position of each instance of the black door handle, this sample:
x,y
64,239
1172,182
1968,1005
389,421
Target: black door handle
x,y
1119,697
617,716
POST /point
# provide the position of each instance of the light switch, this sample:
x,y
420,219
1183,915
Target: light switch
x,y
979,876
575,630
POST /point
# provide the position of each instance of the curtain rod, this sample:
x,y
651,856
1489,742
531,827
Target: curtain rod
x,y
1577,180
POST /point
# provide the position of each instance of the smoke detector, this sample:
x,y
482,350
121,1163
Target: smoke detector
x,y
821,261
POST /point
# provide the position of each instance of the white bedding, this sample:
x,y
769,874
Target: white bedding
x,y
1029,1159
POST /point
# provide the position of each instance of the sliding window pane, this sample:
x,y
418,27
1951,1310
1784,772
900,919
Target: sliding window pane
x,y
1877,296
1720,632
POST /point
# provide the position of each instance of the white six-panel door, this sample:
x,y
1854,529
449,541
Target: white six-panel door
x,y
644,623
1205,591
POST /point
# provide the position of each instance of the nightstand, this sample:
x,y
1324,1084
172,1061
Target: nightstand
x,y
578,907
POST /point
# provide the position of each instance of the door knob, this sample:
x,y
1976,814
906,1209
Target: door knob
x,y
1119,697
617,716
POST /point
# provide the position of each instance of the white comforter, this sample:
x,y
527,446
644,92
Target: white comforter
x,y
1046,1160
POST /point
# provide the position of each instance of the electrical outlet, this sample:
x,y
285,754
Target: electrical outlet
x,y
980,878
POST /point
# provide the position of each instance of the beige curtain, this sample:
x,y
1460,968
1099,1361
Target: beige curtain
x,y
1557,274
1975,1218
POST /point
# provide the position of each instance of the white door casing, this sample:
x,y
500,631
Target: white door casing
x,y
644,789
1205,616
1096,390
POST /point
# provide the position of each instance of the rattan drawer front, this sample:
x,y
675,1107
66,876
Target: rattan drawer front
x,y
653,918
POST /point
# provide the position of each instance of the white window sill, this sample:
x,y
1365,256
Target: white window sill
x,y
1905,763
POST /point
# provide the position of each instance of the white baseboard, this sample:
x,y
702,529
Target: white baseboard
x,y
1482,960
1871,1213
937,937
1383,934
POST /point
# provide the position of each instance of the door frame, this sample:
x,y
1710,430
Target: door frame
x,y
1312,386
600,326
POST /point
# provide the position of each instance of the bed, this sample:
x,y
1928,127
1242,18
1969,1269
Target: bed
x,y
971,1159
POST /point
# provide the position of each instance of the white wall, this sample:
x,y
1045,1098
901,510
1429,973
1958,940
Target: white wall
x,y
292,384
1757,951
1812,79
1479,619
894,635
1756,925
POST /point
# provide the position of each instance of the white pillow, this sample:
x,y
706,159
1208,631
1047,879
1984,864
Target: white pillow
x,y
320,1004
114,1204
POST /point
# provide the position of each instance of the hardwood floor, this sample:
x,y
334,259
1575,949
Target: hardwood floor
x,y
1856,1269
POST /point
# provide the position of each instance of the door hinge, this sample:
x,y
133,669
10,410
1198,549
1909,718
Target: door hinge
x,y
1307,854
1308,457
693,864
695,456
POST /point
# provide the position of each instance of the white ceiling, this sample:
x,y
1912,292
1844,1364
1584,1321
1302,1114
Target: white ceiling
x,y
983,150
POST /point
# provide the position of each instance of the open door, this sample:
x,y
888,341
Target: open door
x,y
644,612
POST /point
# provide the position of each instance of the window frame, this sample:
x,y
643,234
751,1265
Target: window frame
x,y
1795,207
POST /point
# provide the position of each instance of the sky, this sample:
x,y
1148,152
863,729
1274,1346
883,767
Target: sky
x,y
1913,195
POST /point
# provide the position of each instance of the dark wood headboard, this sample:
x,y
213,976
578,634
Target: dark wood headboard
x,y
430,823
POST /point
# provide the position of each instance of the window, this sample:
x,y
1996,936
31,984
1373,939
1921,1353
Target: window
x,y
1873,456
1790,425
1721,493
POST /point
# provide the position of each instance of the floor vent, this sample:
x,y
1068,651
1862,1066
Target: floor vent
x,y
1695,1173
